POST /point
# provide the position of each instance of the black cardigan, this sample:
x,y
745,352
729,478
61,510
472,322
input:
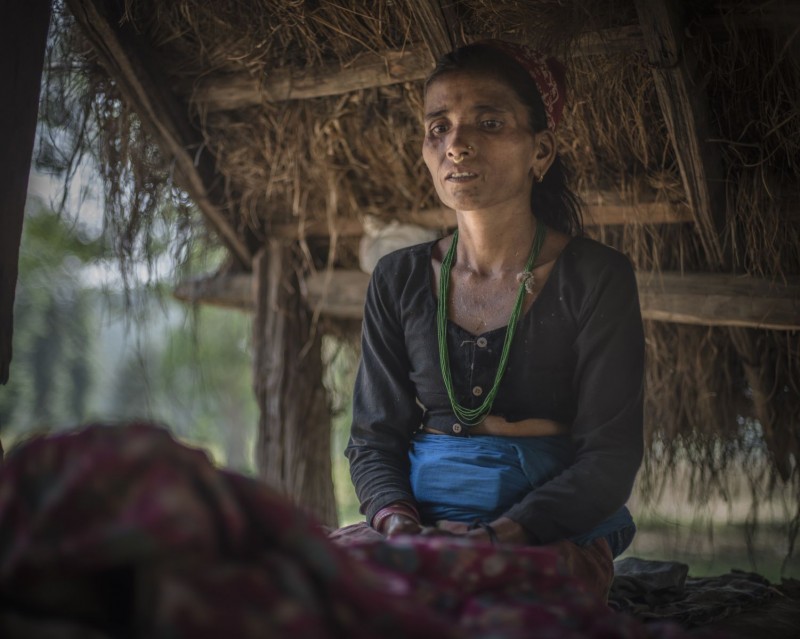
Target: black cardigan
x,y
577,358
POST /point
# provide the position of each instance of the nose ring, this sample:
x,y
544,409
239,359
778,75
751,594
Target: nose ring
x,y
458,159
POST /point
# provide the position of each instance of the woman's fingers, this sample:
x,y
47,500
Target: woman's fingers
x,y
452,527
398,524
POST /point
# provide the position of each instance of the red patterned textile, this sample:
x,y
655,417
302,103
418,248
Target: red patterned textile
x,y
123,532
547,73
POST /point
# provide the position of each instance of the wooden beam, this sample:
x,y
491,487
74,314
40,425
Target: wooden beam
x,y
236,91
339,294
695,298
366,71
130,63
600,209
442,218
685,107
604,208
710,299
229,290
23,33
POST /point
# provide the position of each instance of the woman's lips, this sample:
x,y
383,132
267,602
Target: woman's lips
x,y
461,176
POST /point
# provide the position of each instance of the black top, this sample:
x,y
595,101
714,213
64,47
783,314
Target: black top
x,y
577,358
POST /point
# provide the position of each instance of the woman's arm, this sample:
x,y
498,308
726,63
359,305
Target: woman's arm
x,y
607,430
385,411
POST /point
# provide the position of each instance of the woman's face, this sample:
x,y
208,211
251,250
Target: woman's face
x,y
479,147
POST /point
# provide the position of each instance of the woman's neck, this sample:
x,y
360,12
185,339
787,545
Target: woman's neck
x,y
491,243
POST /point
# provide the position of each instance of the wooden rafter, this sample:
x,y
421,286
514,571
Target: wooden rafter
x,y
685,107
600,209
695,298
129,62
236,91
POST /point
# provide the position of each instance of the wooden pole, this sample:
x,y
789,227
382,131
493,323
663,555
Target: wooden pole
x,y
294,430
685,107
23,34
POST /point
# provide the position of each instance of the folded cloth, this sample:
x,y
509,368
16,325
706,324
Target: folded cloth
x,y
638,577
661,590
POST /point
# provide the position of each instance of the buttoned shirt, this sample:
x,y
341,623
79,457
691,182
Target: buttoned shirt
x,y
577,358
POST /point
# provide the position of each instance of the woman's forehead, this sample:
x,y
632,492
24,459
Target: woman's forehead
x,y
459,89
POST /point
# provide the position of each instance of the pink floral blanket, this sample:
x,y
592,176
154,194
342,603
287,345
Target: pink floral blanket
x,y
123,532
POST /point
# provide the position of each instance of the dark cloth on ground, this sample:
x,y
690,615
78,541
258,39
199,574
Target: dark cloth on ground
x,y
577,358
123,532
659,590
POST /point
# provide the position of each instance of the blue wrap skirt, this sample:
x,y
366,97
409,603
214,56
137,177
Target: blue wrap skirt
x,y
479,478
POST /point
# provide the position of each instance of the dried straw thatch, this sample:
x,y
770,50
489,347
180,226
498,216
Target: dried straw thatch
x,y
721,396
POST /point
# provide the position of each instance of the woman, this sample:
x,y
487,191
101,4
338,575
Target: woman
x,y
526,428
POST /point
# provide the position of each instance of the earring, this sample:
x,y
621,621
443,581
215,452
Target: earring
x,y
540,178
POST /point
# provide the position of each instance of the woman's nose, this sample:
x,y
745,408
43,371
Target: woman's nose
x,y
459,148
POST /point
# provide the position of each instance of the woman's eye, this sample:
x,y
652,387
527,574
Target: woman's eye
x,y
438,129
491,124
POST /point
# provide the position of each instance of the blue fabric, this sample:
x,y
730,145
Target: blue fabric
x,y
480,478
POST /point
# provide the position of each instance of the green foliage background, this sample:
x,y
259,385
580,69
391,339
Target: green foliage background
x,y
89,351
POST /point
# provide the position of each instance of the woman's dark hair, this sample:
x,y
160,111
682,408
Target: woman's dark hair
x,y
552,199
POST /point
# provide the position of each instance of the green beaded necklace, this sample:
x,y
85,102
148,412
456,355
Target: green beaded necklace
x,y
474,416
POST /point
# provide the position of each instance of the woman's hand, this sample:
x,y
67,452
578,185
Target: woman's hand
x,y
507,531
457,528
399,524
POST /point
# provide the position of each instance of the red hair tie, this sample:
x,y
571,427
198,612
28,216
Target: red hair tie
x,y
547,73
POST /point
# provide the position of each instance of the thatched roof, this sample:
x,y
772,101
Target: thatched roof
x,y
296,119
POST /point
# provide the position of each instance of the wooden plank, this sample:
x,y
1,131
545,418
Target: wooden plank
x,y
23,32
709,299
685,107
704,299
442,218
230,290
236,91
129,62
604,208
599,210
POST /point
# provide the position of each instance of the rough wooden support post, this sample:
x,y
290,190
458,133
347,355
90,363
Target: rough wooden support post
x,y
685,107
293,446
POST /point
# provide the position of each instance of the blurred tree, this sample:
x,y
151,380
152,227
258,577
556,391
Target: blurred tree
x,y
51,371
193,374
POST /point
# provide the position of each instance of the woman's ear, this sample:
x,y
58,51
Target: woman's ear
x,y
544,151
